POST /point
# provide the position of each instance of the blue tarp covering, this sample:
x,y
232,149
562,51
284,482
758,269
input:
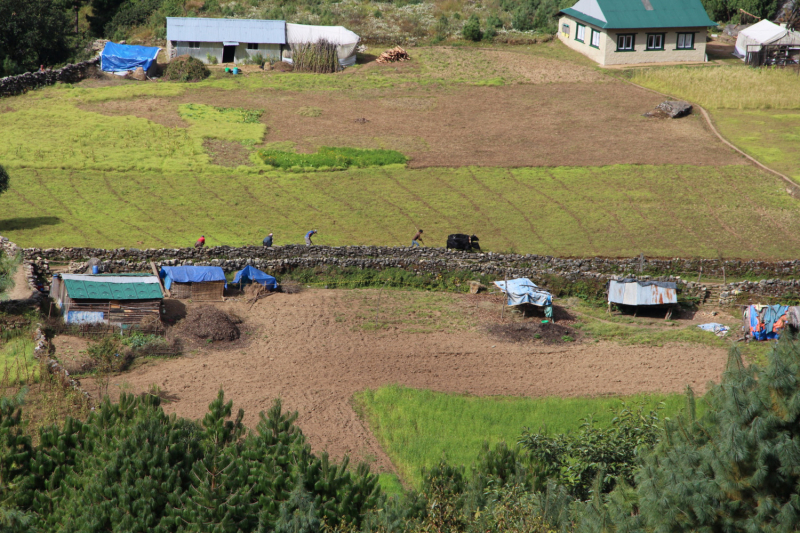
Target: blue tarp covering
x,y
84,317
122,57
191,274
249,273
524,291
763,327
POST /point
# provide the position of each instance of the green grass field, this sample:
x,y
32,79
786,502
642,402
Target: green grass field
x,y
17,364
612,211
419,427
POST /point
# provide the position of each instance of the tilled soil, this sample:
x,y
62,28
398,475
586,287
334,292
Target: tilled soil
x,y
310,350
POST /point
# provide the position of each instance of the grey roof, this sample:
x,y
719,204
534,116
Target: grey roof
x,y
210,30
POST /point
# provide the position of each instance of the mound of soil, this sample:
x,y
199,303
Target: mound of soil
x,y
549,333
209,323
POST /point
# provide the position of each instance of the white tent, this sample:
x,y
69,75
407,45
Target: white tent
x,y
345,40
765,32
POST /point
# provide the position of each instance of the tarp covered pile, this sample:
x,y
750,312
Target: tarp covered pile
x,y
191,274
766,322
524,291
125,57
251,274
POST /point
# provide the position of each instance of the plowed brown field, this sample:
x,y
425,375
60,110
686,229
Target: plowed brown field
x,y
311,350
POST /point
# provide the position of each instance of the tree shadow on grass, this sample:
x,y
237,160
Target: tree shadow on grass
x,y
20,223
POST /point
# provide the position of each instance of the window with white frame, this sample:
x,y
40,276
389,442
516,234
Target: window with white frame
x,y
194,44
625,42
595,38
655,41
685,41
252,46
580,33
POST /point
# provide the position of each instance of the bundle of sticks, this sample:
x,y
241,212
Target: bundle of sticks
x,y
395,54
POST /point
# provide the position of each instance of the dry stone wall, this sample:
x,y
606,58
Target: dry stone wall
x,y
281,259
71,73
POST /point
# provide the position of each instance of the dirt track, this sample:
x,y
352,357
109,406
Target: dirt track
x,y
305,349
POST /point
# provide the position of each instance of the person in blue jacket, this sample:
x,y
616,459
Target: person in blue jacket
x,y
268,240
308,237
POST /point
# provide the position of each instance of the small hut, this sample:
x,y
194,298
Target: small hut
x,y
647,294
123,300
195,282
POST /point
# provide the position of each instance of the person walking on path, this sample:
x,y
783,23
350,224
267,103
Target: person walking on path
x,y
268,240
200,242
308,237
417,239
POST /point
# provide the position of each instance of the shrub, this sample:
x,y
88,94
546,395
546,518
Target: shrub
x,y
186,68
4,179
472,29
212,60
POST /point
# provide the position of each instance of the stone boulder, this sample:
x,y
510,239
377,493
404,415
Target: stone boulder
x,y
675,108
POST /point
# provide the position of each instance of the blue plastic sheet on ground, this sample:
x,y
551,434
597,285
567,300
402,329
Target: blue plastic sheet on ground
x,y
524,291
249,273
715,327
191,274
121,57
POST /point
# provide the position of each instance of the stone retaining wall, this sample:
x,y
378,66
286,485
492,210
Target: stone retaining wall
x,y
294,256
13,85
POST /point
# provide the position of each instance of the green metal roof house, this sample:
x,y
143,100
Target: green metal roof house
x,y
122,300
627,32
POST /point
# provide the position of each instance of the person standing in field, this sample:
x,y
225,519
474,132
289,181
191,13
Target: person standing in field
x,y
200,242
268,240
417,239
308,237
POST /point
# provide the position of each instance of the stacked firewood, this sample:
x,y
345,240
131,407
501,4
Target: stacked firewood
x,y
393,55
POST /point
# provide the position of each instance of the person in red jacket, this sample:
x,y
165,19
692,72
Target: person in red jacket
x,y
200,242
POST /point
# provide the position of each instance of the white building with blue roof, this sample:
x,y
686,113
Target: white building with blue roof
x,y
227,40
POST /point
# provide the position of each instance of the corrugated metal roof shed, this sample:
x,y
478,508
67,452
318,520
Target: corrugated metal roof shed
x,y
631,292
213,30
644,14
99,287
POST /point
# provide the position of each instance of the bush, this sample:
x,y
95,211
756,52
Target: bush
x,y
212,60
4,179
472,29
186,68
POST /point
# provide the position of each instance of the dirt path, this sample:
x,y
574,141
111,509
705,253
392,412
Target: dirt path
x,y
308,349
20,291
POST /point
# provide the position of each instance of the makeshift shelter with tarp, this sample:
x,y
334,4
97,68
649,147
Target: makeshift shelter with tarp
x,y
345,40
250,274
752,39
767,322
636,293
122,300
195,282
522,291
121,58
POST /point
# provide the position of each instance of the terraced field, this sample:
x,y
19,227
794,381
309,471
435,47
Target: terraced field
x,y
531,148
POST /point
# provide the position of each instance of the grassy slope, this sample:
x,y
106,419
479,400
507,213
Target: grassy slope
x,y
81,178
756,109
419,427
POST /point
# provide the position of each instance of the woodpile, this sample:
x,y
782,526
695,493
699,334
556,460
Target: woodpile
x,y
393,55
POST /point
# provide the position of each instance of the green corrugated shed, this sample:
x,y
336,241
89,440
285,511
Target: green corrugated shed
x,y
99,290
642,14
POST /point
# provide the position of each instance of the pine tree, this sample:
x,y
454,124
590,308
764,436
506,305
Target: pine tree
x,y
15,447
738,467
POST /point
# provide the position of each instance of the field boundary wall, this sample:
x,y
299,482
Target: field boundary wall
x,y
70,73
282,259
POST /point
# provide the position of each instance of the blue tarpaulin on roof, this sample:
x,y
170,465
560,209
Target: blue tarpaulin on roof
x,y
524,291
191,274
248,274
122,57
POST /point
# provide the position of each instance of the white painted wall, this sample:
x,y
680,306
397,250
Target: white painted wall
x,y
268,51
